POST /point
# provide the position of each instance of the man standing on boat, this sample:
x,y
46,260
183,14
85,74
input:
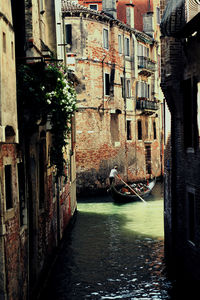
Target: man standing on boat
x,y
113,173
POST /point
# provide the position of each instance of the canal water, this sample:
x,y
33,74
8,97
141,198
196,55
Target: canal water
x,y
113,252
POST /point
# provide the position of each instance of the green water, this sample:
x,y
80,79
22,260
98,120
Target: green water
x,y
113,252
140,218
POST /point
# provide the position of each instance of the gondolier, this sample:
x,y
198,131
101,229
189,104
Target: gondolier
x,y
113,173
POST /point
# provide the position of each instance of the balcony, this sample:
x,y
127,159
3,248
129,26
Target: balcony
x,y
146,106
146,66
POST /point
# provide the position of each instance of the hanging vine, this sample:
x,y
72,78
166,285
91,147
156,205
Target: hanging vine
x,y
44,91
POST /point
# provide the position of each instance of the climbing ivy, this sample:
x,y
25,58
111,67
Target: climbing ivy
x,y
44,91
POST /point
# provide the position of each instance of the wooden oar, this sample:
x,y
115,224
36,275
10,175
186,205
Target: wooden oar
x,y
132,190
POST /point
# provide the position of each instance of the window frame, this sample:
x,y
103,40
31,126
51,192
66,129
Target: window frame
x,y
154,130
106,81
127,46
143,89
68,34
128,130
106,38
139,130
120,44
128,88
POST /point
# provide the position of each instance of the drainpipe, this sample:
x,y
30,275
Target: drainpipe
x,y
64,41
103,86
124,73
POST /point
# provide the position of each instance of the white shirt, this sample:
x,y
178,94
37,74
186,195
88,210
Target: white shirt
x,y
113,173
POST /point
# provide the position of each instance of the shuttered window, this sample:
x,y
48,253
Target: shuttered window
x,y
127,47
142,89
120,44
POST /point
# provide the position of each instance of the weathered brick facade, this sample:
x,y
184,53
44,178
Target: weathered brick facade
x,y
35,207
180,84
107,120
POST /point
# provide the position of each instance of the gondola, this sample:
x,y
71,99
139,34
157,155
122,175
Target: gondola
x,y
125,196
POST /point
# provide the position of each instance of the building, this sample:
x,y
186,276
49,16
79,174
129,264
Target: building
x,y
119,101
37,200
9,203
180,84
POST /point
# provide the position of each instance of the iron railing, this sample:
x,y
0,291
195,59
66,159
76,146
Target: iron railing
x,y
144,103
146,63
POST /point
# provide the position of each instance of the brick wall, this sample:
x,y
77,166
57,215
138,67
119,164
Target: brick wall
x,y
101,120
181,62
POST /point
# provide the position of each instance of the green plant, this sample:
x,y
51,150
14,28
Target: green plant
x,y
45,91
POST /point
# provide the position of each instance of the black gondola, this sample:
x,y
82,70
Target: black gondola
x,y
143,190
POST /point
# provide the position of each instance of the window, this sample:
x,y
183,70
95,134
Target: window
x,y
148,158
112,80
93,6
142,89
128,88
139,123
107,84
120,44
105,38
8,186
154,131
21,187
143,50
68,29
128,128
4,42
127,46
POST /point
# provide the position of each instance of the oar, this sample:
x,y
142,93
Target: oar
x,y
132,190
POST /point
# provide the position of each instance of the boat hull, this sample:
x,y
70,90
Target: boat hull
x,y
119,197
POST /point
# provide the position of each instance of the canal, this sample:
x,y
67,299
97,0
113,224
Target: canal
x,y
113,252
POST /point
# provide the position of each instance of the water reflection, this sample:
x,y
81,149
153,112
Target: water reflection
x,y
114,252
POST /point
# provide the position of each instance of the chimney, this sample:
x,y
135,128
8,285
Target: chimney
x,y
130,14
109,7
148,27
